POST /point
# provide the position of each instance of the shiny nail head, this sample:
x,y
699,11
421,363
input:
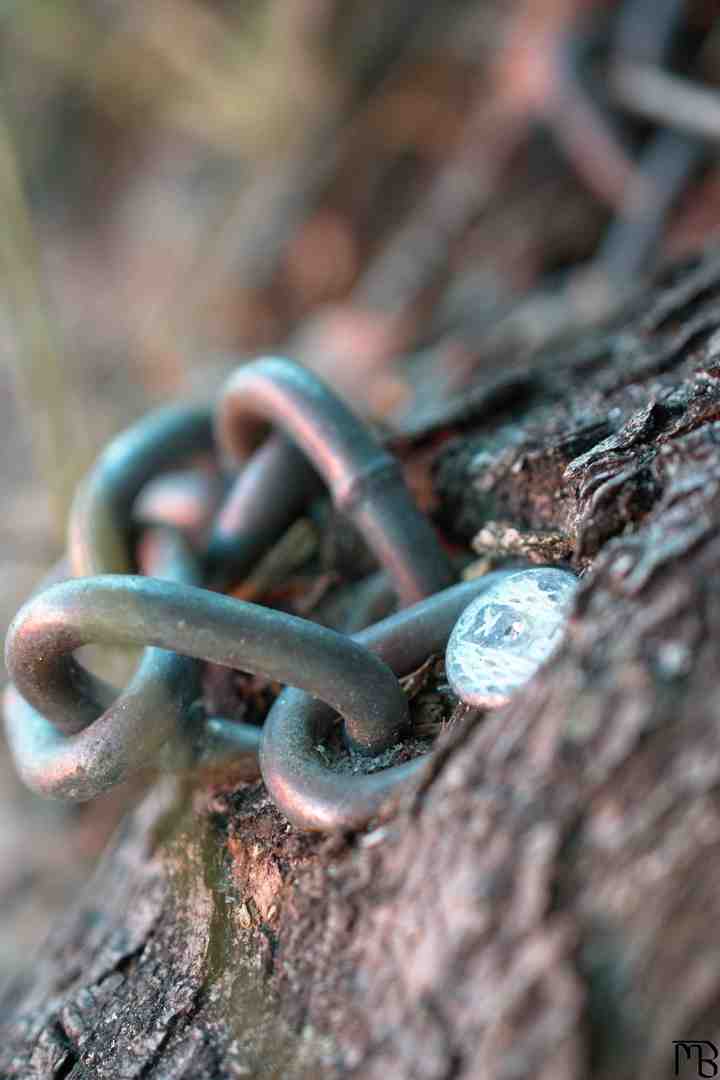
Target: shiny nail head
x,y
504,635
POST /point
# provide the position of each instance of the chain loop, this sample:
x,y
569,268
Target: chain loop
x,y
131,610
364,480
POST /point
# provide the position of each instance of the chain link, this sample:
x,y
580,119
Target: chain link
x,y
143,507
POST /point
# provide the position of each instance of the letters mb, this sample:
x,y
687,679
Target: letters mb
x,y
702,1051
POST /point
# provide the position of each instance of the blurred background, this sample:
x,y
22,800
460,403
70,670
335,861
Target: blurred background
x,y
409,195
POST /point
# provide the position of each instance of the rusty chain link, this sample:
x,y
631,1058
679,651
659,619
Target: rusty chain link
x,y
143,507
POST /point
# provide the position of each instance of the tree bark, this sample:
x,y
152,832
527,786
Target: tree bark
x,y
542,902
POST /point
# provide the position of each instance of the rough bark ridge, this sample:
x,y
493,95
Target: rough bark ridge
x,y
543,902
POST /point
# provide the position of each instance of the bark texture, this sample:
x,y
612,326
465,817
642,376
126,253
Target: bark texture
x,y
544,901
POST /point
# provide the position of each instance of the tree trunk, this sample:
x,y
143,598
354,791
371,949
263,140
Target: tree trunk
x,y
542,902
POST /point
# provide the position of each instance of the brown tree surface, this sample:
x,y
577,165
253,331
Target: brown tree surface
x,y
542,902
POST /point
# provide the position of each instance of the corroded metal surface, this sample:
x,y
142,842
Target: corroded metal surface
x,y
155,502
365,481
313,795
176,618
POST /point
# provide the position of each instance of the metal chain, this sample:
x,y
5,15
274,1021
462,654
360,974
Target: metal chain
x,y
316,797
73,736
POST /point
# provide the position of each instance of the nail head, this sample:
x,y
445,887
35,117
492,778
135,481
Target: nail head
x,y
505,634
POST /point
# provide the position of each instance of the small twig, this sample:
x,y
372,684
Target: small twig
x,y
292,551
